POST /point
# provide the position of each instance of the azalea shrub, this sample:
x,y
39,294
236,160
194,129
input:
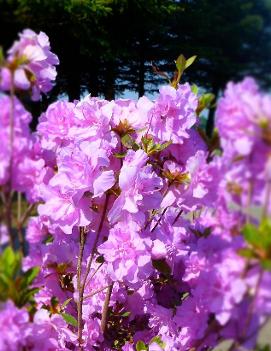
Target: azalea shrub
x,y
123,226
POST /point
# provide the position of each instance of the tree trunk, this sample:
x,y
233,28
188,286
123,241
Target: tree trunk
x,y
141,73
110,76
141,77
73,88
211,116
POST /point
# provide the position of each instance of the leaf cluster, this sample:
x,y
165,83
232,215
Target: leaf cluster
x,y
16,284
258,239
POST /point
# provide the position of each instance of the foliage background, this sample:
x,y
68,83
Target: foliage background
x,y
108,47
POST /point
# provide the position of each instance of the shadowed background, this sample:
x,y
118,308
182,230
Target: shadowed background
x,y
107,47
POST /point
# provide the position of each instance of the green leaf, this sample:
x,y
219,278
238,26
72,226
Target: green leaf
x,y
205,101
195,89
266,264
66,302
120,155
14,283
162,266
140,345
247,253
26,296
69,319
30,275
147,143
181,63
161,147
250,233
2,58
116,343
158,341
184,295
129,142
10,262
4,279
49,239
8,257
54,301
259,237
264,233
190,61
126,314
262,348
150,147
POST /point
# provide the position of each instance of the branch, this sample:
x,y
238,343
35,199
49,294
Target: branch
x,y
95,242
79,287
105,308
8,212
96,292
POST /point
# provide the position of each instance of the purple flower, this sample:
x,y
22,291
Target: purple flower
x,y
48,333
31,63
140,186
126,253
55,123
131,115
243,116
14,327
173,114
65,210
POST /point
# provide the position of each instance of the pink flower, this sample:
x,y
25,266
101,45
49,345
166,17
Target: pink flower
x,y
242,116
14,325
66,210
34,64
173,114
55,123
139,186
126,253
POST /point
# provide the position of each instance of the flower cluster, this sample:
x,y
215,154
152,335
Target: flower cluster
x,y
21,163
146,237
30,65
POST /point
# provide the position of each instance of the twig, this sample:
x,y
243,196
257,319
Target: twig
x,y
79,287
256,331
19,205
8,215
249,198
177,217
95,242
241,339
19,226
26,215
9,188
253,303
96,292
105,308
164,211
159,220
95,271
21,221
2,196
267,199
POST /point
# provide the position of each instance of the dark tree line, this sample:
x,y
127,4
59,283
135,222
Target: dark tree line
x,y
108,46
